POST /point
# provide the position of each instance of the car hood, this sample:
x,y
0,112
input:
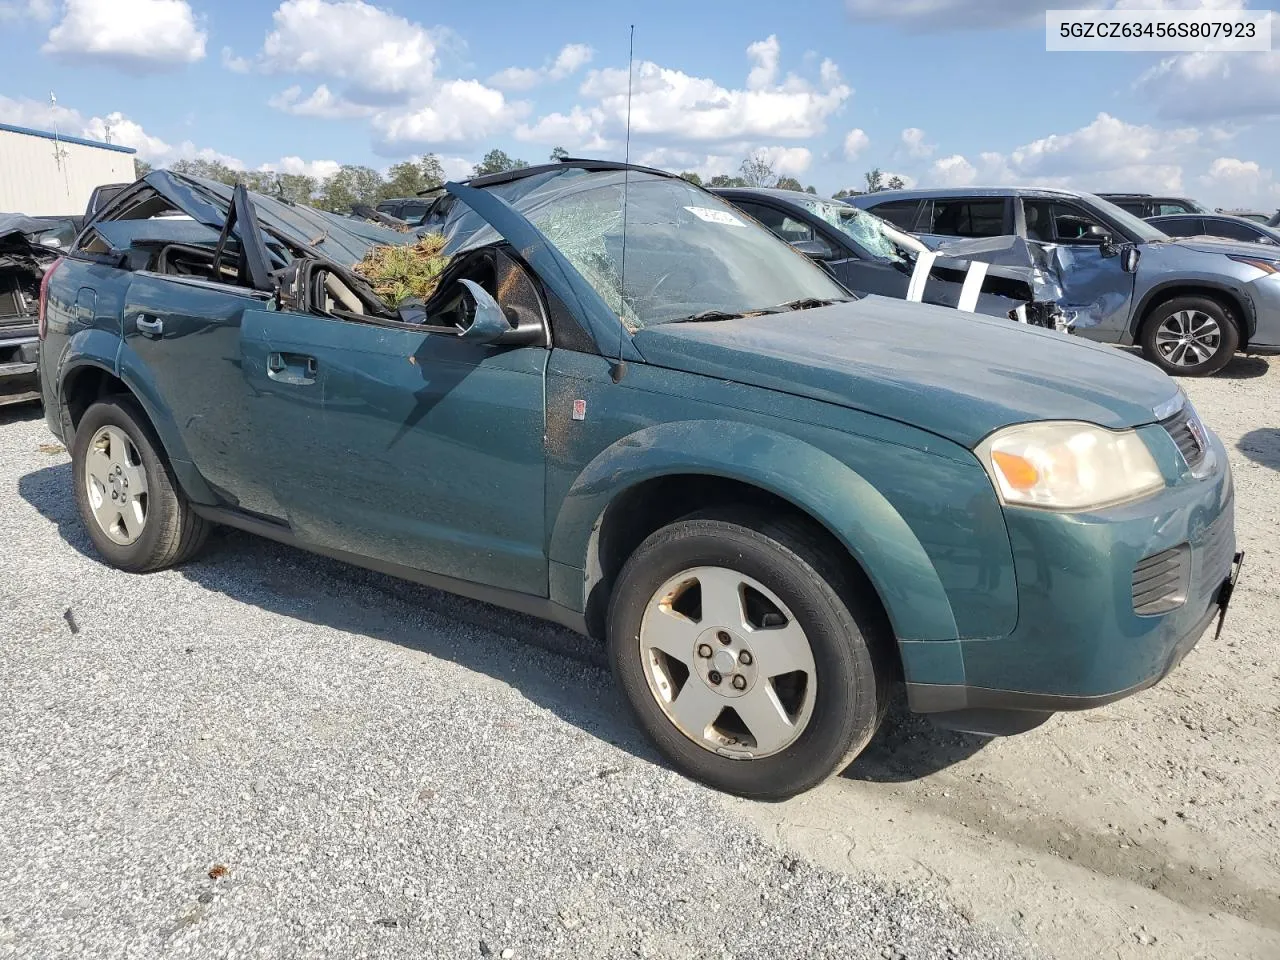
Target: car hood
x,y
1230,248
960,376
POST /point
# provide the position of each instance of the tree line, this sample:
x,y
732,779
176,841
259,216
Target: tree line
x,y
353,183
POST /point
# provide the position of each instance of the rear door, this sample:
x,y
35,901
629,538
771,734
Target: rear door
x,y
182,335
943,219
1097,291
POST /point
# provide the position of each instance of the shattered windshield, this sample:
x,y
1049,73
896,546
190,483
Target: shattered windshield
x,y
686,253
866,229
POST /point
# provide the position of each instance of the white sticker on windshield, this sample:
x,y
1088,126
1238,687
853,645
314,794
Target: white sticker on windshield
x,y
716,216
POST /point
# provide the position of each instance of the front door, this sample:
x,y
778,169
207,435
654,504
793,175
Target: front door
x,y
1097,290
418,449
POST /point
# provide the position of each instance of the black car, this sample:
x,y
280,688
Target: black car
x,y
429,209
1217,225
27,246
870,255
1146,205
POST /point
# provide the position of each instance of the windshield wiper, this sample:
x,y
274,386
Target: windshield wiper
x,y
806,303
709,315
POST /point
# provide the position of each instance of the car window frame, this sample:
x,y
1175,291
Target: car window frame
x,y
911,227
1007,225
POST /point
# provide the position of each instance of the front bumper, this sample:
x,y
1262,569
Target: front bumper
x,y
1079,642
19,376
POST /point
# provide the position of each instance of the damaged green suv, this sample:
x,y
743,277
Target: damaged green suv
x,y
629,409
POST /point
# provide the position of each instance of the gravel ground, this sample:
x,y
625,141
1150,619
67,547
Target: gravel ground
x,y
268,754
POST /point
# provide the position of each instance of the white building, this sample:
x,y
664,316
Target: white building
x,y
42,173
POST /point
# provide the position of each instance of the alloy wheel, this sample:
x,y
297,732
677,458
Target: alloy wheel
x,y
116,484
727,663
1188,338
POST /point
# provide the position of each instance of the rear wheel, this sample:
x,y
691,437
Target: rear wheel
x,y
136,515
746,653
1190,336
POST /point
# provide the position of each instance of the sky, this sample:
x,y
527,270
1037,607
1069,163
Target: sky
x,y
939,92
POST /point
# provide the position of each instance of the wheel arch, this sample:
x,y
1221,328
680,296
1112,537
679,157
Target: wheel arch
x,y
86,378
664,472
1235,301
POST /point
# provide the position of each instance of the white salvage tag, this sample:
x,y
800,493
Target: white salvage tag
x,y
716,216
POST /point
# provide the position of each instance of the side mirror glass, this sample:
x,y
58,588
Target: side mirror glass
x,y
813,249
1129,259
487,321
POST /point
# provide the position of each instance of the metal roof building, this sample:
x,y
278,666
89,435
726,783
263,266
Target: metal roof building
x,y
43,173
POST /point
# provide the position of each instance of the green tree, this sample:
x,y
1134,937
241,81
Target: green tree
x,y
497,161
412,177
296,187
208,170
757,171
691,177
810,189
895,183
352,184
559,153
724,180
788,183
875,180
140,168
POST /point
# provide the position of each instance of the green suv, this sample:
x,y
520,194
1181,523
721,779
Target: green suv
x,y
631,410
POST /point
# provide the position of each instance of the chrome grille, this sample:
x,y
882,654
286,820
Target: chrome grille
x,y
1160,582
1189,436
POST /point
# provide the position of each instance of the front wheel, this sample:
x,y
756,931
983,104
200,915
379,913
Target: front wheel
x,y
747,654
1190,336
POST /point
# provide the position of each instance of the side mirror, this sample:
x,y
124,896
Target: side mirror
x,y
1129,257
813,249
488,323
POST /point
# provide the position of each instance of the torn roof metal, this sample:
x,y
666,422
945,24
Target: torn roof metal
x,y
338,238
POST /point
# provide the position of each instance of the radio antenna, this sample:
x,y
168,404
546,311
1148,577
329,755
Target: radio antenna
x,y
620,368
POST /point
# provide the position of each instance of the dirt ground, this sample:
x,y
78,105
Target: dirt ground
x,y
1149,828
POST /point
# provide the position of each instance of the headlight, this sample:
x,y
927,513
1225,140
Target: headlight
x,y
1068,466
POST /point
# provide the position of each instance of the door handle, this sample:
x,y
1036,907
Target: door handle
x,y
150,326
293,368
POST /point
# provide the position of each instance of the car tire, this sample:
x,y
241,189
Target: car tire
x,y
1190,336
788,579
152,525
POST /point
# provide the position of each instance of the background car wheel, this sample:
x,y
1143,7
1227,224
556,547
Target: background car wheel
x,y
136,515
746,655
1190,336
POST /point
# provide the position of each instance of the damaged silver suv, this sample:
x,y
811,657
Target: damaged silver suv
x,y
1191,303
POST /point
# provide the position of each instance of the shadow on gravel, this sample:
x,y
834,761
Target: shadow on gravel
x,y
306,587
1262,446
909,747
1243,368
20,413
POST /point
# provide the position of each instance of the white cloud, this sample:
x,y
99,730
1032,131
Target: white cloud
x,y
1215,86
952,171
320,169
787,161
1105,154
39,114
460,111
855,141
571,58
1241,183
1001,14
234,63
382,58
135,35
672,107
764,54
322,102
914,143
577,130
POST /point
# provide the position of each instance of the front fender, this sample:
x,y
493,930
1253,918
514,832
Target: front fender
x,y
811,479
